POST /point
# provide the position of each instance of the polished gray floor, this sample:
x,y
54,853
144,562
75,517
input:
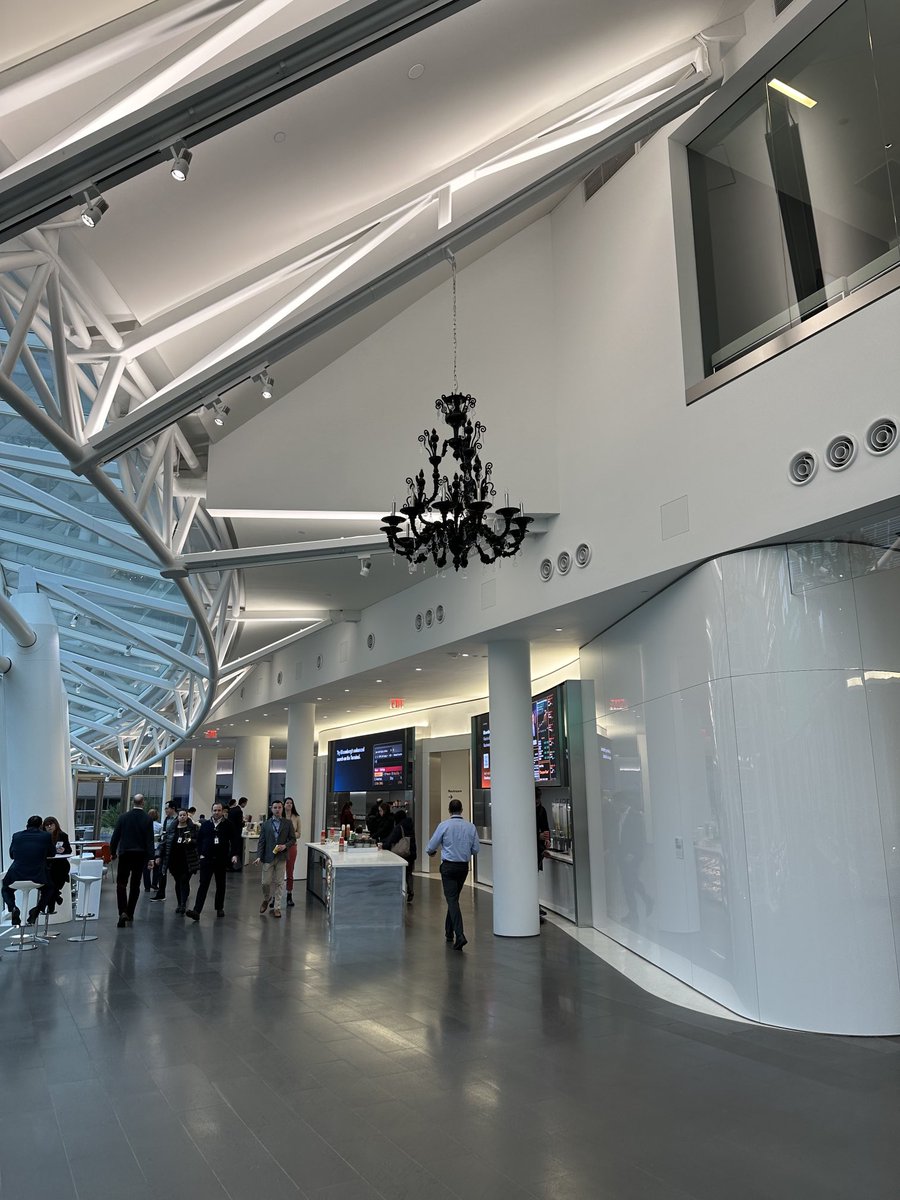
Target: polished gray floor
x,y
251,1058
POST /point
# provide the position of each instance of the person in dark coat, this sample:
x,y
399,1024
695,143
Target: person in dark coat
x,y
385,826
58,866
132,844
235,815
218,847
403,827
30,851
180,857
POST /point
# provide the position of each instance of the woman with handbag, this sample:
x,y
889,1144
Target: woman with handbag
x,y
182,857
402,840
291,814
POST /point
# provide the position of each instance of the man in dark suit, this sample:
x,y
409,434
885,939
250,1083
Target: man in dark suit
x,y
132,844
275,839
217,844
236,817
29,850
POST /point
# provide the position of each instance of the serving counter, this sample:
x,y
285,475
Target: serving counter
x,y
358,887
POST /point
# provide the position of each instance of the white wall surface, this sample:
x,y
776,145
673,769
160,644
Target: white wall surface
x,y
756,757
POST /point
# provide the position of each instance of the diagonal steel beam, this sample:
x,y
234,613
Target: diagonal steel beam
x,y
210,106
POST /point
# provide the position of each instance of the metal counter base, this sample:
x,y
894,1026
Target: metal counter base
x,y
357,887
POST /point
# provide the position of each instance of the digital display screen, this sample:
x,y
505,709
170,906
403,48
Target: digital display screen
x,y
388,765
546,739
374,762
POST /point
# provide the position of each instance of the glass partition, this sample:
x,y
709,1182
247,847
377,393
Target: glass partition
x,y
794,188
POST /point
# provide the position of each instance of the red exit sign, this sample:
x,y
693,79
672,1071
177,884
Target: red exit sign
x,y
211,733
618,702
395,702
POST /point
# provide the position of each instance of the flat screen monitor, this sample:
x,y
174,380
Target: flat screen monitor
x,y
546,738
372,762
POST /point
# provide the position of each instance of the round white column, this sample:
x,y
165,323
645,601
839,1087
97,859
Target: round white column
x,y
513,831
35,767
301,762
251,772
204,761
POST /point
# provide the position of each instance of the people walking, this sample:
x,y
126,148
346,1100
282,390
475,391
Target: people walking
x,y
170,819
132,844
216,843
276,836
458,841
181,858
235,815
291,814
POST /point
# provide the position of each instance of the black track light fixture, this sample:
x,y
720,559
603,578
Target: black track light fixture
x,y
266,384
94,208
181,161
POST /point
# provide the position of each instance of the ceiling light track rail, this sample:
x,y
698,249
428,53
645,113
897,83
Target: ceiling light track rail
x,y
194,114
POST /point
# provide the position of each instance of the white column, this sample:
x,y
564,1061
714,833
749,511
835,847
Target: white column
x,y
35,770
516,912
203,778
298,783
251,772
169,785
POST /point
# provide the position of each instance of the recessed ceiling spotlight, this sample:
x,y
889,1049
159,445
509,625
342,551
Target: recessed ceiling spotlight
x,y
346,689
94,208
379,681
279,136
559,629
464,655
181,161
416,71
418,668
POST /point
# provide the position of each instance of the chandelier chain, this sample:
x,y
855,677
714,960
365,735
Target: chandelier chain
x,y
452,258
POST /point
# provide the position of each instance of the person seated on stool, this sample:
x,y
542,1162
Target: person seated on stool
x,y
29,851
58,868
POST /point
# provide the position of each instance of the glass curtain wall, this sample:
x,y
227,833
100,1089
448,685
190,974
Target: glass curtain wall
x,y
795,188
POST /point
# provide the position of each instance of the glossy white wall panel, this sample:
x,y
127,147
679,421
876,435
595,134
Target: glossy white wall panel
x,y
675,641
883,702
772,629
824,947
878,619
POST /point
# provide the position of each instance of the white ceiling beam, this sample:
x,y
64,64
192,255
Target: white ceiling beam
x,y
244,558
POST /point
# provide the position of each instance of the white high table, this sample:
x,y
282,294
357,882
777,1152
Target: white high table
x,y
358,887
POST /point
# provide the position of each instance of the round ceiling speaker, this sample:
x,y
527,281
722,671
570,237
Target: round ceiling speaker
x,y
840,452
319,661
370,641
429,617
882,436
546,569
582,554
564,562
802,467
420,621
439,613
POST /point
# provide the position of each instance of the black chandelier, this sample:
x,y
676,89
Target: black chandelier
x,y
449,517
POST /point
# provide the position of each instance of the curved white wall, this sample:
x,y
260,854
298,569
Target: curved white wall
x,y
750,716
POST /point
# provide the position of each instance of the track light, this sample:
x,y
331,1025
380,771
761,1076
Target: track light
x,y
220,412
74,621
128,650
267,384
181,161
94,208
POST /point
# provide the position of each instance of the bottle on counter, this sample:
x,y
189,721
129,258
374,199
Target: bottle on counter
x,y
322,838
341,841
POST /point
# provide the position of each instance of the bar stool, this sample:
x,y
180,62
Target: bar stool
x,y
88,871
21,941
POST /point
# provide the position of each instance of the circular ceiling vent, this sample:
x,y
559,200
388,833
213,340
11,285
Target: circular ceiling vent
x,y
370,641
420,621
564,562
882,436
429,617
439,613
546,569
840,452
582,554
802,467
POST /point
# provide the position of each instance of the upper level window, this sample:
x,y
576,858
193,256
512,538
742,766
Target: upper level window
x,y
795,189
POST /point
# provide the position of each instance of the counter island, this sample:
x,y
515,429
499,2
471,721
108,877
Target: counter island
x,y
358,886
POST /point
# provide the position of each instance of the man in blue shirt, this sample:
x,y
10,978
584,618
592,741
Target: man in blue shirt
x,y
458,840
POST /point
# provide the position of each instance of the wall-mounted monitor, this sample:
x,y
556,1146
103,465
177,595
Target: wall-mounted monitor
x,y
547,738
372,762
